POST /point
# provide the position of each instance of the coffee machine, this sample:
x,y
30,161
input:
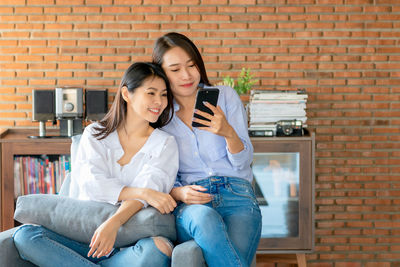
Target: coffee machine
x,y
69,110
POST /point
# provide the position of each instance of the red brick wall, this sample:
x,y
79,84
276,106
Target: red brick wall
x,y
345,52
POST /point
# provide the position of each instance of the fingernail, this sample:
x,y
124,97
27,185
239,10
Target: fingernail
x,y
205,102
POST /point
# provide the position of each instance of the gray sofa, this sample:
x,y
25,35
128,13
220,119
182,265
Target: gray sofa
x,y
30,209
184,255
60,214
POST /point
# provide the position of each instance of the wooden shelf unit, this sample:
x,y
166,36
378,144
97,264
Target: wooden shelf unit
x,y
292,249
16,142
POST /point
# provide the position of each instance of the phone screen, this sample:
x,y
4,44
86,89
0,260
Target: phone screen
x,y
209,95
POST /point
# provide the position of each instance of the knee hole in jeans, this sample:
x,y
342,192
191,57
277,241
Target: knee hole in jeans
x,y
163,245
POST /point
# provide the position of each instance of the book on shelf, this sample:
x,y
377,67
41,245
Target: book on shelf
x,y
39,174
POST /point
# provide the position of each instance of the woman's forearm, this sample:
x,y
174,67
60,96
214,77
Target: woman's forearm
x,y
175,193
127,209
234,143
130,193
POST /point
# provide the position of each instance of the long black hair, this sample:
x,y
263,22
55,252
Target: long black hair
x,y
174,39
133,78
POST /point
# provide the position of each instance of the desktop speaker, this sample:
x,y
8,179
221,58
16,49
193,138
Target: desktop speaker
x,y
96,104
43,105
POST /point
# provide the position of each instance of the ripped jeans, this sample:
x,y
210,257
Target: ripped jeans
x,y
44,247
228,228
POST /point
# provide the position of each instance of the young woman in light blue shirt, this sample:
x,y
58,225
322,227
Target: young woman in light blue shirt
x,y
218,208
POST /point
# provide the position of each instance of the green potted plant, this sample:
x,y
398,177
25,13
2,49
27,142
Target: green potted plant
x,y
243,83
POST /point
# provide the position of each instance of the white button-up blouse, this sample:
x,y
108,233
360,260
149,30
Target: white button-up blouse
x,y
97,175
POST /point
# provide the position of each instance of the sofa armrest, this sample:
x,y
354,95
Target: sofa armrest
x,y
8,252
187,254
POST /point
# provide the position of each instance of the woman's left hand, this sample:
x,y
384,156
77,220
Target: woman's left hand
x,y
217,124
220,126
103,239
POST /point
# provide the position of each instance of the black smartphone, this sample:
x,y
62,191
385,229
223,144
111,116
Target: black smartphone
x,y
209,95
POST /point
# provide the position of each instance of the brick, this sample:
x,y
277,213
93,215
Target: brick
x,y
45,34
71,82
174,9
76,2
14,18
13,98
6,10
57,10
97,18
7,106
55,74
28,10
6,123
347,264
42,66
377,264
289,25
346,248
58,26
347,232
72,66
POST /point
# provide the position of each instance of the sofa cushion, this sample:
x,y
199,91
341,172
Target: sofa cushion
x,y
78,219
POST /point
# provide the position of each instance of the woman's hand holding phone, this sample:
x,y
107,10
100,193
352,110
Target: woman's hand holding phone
x,y
210,117
217,123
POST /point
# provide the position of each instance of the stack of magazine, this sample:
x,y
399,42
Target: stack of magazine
x,y
267,108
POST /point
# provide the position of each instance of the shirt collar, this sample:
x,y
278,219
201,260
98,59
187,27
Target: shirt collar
x,y
151,147
176,105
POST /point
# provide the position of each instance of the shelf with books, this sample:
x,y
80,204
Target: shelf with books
x,y
42,174
15,144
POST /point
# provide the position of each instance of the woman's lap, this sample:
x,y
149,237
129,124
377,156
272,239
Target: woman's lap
x,y
235,205
44,247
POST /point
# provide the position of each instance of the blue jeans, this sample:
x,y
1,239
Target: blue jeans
x,y
228,228
44,247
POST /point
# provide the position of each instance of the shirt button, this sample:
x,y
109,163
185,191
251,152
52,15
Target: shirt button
x,y
210,173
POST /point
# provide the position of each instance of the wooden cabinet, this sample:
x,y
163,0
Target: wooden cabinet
x,y
283,172
283,169
16,142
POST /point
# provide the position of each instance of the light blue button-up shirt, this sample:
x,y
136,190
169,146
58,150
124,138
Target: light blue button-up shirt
x,y
203,154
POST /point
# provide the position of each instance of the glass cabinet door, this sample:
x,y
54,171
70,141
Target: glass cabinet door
x,y
277,179
283,173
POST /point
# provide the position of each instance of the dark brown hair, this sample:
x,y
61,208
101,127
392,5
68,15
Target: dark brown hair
x,y
133,78
173,39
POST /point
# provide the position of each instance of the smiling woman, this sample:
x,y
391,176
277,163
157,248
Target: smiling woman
x,y
148,101
218,208
123,159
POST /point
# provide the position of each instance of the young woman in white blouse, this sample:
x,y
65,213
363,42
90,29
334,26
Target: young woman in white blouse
x,y
124,159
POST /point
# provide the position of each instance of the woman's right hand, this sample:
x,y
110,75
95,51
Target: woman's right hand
x,y
103,239
190,194
163,202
